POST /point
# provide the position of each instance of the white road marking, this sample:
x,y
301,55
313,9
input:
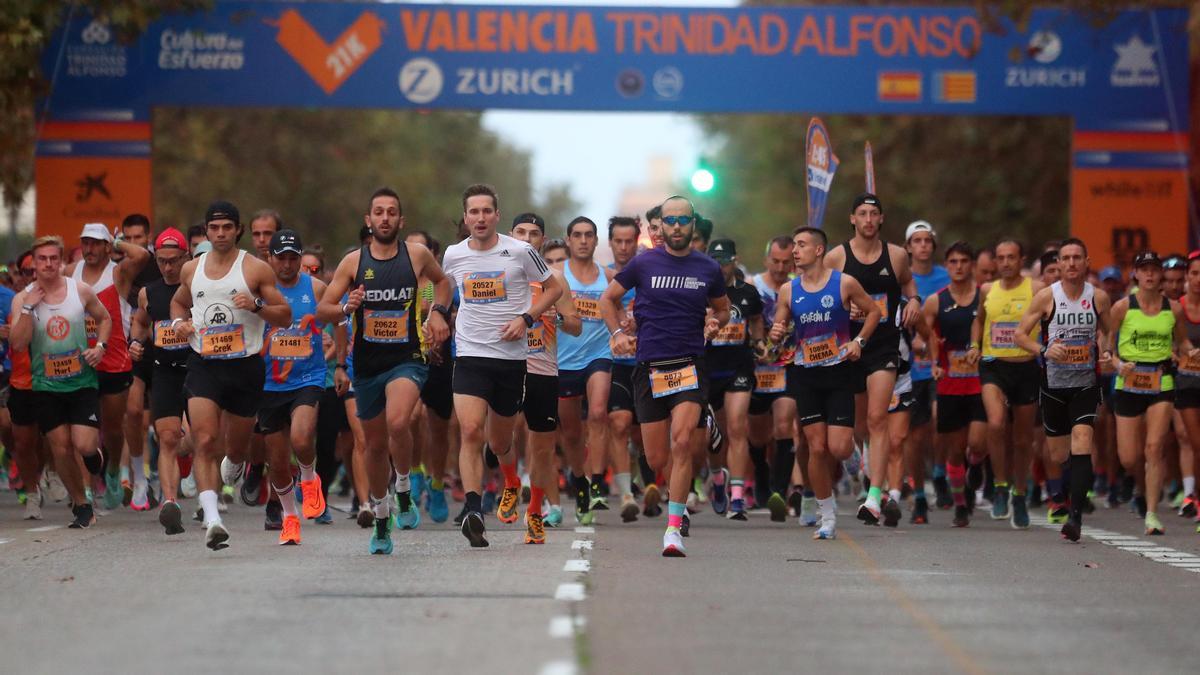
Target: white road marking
x,y
585,529
1150,550
5,541
561,627
577,565
571,592
44,528
559,668
580,544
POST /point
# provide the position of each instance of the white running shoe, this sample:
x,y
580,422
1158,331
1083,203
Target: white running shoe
x,y
54,485
187,486
217,537
231,473
33,505
808,512
828,529
673,545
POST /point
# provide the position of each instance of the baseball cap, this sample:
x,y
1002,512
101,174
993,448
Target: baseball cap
x,y
722,250
1048,258
286,241
96,231
1110,273
866,198
918,226
1174,262
203,247
170,238
531,218
220,210
1147,258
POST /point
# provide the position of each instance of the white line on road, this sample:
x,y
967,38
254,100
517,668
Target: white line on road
x,y
559,668
5,541
44,528
579,544
572,592
1150,550
585,529
561,627
578,565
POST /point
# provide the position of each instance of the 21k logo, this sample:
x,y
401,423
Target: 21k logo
x,y
329,65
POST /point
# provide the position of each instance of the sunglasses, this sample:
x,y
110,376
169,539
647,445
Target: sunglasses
x,y
1174,264
312,269
682,221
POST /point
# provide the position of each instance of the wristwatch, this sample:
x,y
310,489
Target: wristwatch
x,y
103,347
861,342
27,309
528,320
259,303
441,309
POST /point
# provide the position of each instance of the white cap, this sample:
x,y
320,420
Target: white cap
x,y
96,231
919,226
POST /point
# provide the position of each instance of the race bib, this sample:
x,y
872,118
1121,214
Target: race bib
x,y
290,344
481,288
587,303
382,327
959,366
821,351
63,366
922,363
732,334
1078,355
1002,335
1190,366
770,379
165,337
223,342
882,303
1143,380
667,382
91,328
536,338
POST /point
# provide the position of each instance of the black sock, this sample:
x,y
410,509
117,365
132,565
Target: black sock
x,y
474,502
781,469
582,492
405,500
758,455
94,463
598,481
648,476
1081,482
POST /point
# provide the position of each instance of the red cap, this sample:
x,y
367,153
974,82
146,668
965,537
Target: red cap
x,y
171,238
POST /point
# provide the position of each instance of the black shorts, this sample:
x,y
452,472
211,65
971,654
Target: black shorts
x,y
79,408
1020,381
923,392
901,403
331,412
541,402
881,353
22,407
114,383
235,385
438,392
1065,409
1126,404
651,408
1187,398
741,379
275,409
620,395
957,411
167,395
762,401
144,369
500,382
573,383
824,394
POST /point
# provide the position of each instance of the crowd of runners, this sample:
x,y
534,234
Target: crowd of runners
x,y
511,371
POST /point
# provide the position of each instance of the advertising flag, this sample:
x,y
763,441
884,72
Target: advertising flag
x,y
870,169
822,164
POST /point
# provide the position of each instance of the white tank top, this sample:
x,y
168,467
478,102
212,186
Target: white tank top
x,y
102,284
1073,323
222,331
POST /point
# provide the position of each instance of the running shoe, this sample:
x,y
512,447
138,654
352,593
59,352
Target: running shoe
x,y
585,517
629,509
418,485
232,472
737,510
170,516
795,501
84,517
808,512
439,511
473,530
1113,499
126,492
891,513
326,518
410,518
458,520
187,486
141,498
1035,495
778,508
1020,513
273,516
962,516
1177,500
1000,510
226,496
1188,508
535,531
216,537
381,537
598,502
673,544
112,491
1071,529
554,517
33,505
827,530
314,498
54,485
290,536
489,501
250,491
652,502
1154,526
868,512
685,528
366,517
198,514
699,491
1139,506
510,502
920,514
718,494
941,490
526,493
1057,512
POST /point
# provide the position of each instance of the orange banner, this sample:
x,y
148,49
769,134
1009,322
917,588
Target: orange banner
x,y
72,191
1118,212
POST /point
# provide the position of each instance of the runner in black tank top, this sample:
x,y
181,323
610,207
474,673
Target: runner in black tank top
x,y
878,279
386,330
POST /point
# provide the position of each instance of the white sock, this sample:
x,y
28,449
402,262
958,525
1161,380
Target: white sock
x,y
208,502
402,483
308,471
624,484
827,507
894,494
139,470
1189,486
382,506
287,497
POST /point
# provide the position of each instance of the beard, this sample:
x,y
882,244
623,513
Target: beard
x,y
379,236
686,242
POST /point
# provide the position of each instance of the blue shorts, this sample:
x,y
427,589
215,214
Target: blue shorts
x,y
573,383
371,391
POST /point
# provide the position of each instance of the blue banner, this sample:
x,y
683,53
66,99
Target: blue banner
x,y
821,165
1129,74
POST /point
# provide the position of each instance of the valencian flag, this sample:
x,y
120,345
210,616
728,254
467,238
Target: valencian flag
x,y
870,169
821,164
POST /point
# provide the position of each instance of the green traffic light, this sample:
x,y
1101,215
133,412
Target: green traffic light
x,y
703,180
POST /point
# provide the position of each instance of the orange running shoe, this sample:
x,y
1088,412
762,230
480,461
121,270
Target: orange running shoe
x,y
535,532
290,536
314,497
510,500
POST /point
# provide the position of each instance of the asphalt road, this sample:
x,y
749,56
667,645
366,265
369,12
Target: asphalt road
x,y
750,597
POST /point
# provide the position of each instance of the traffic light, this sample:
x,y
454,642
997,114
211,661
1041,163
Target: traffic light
x,y
703,179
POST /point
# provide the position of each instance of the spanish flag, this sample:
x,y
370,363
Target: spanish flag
x,y
900,86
